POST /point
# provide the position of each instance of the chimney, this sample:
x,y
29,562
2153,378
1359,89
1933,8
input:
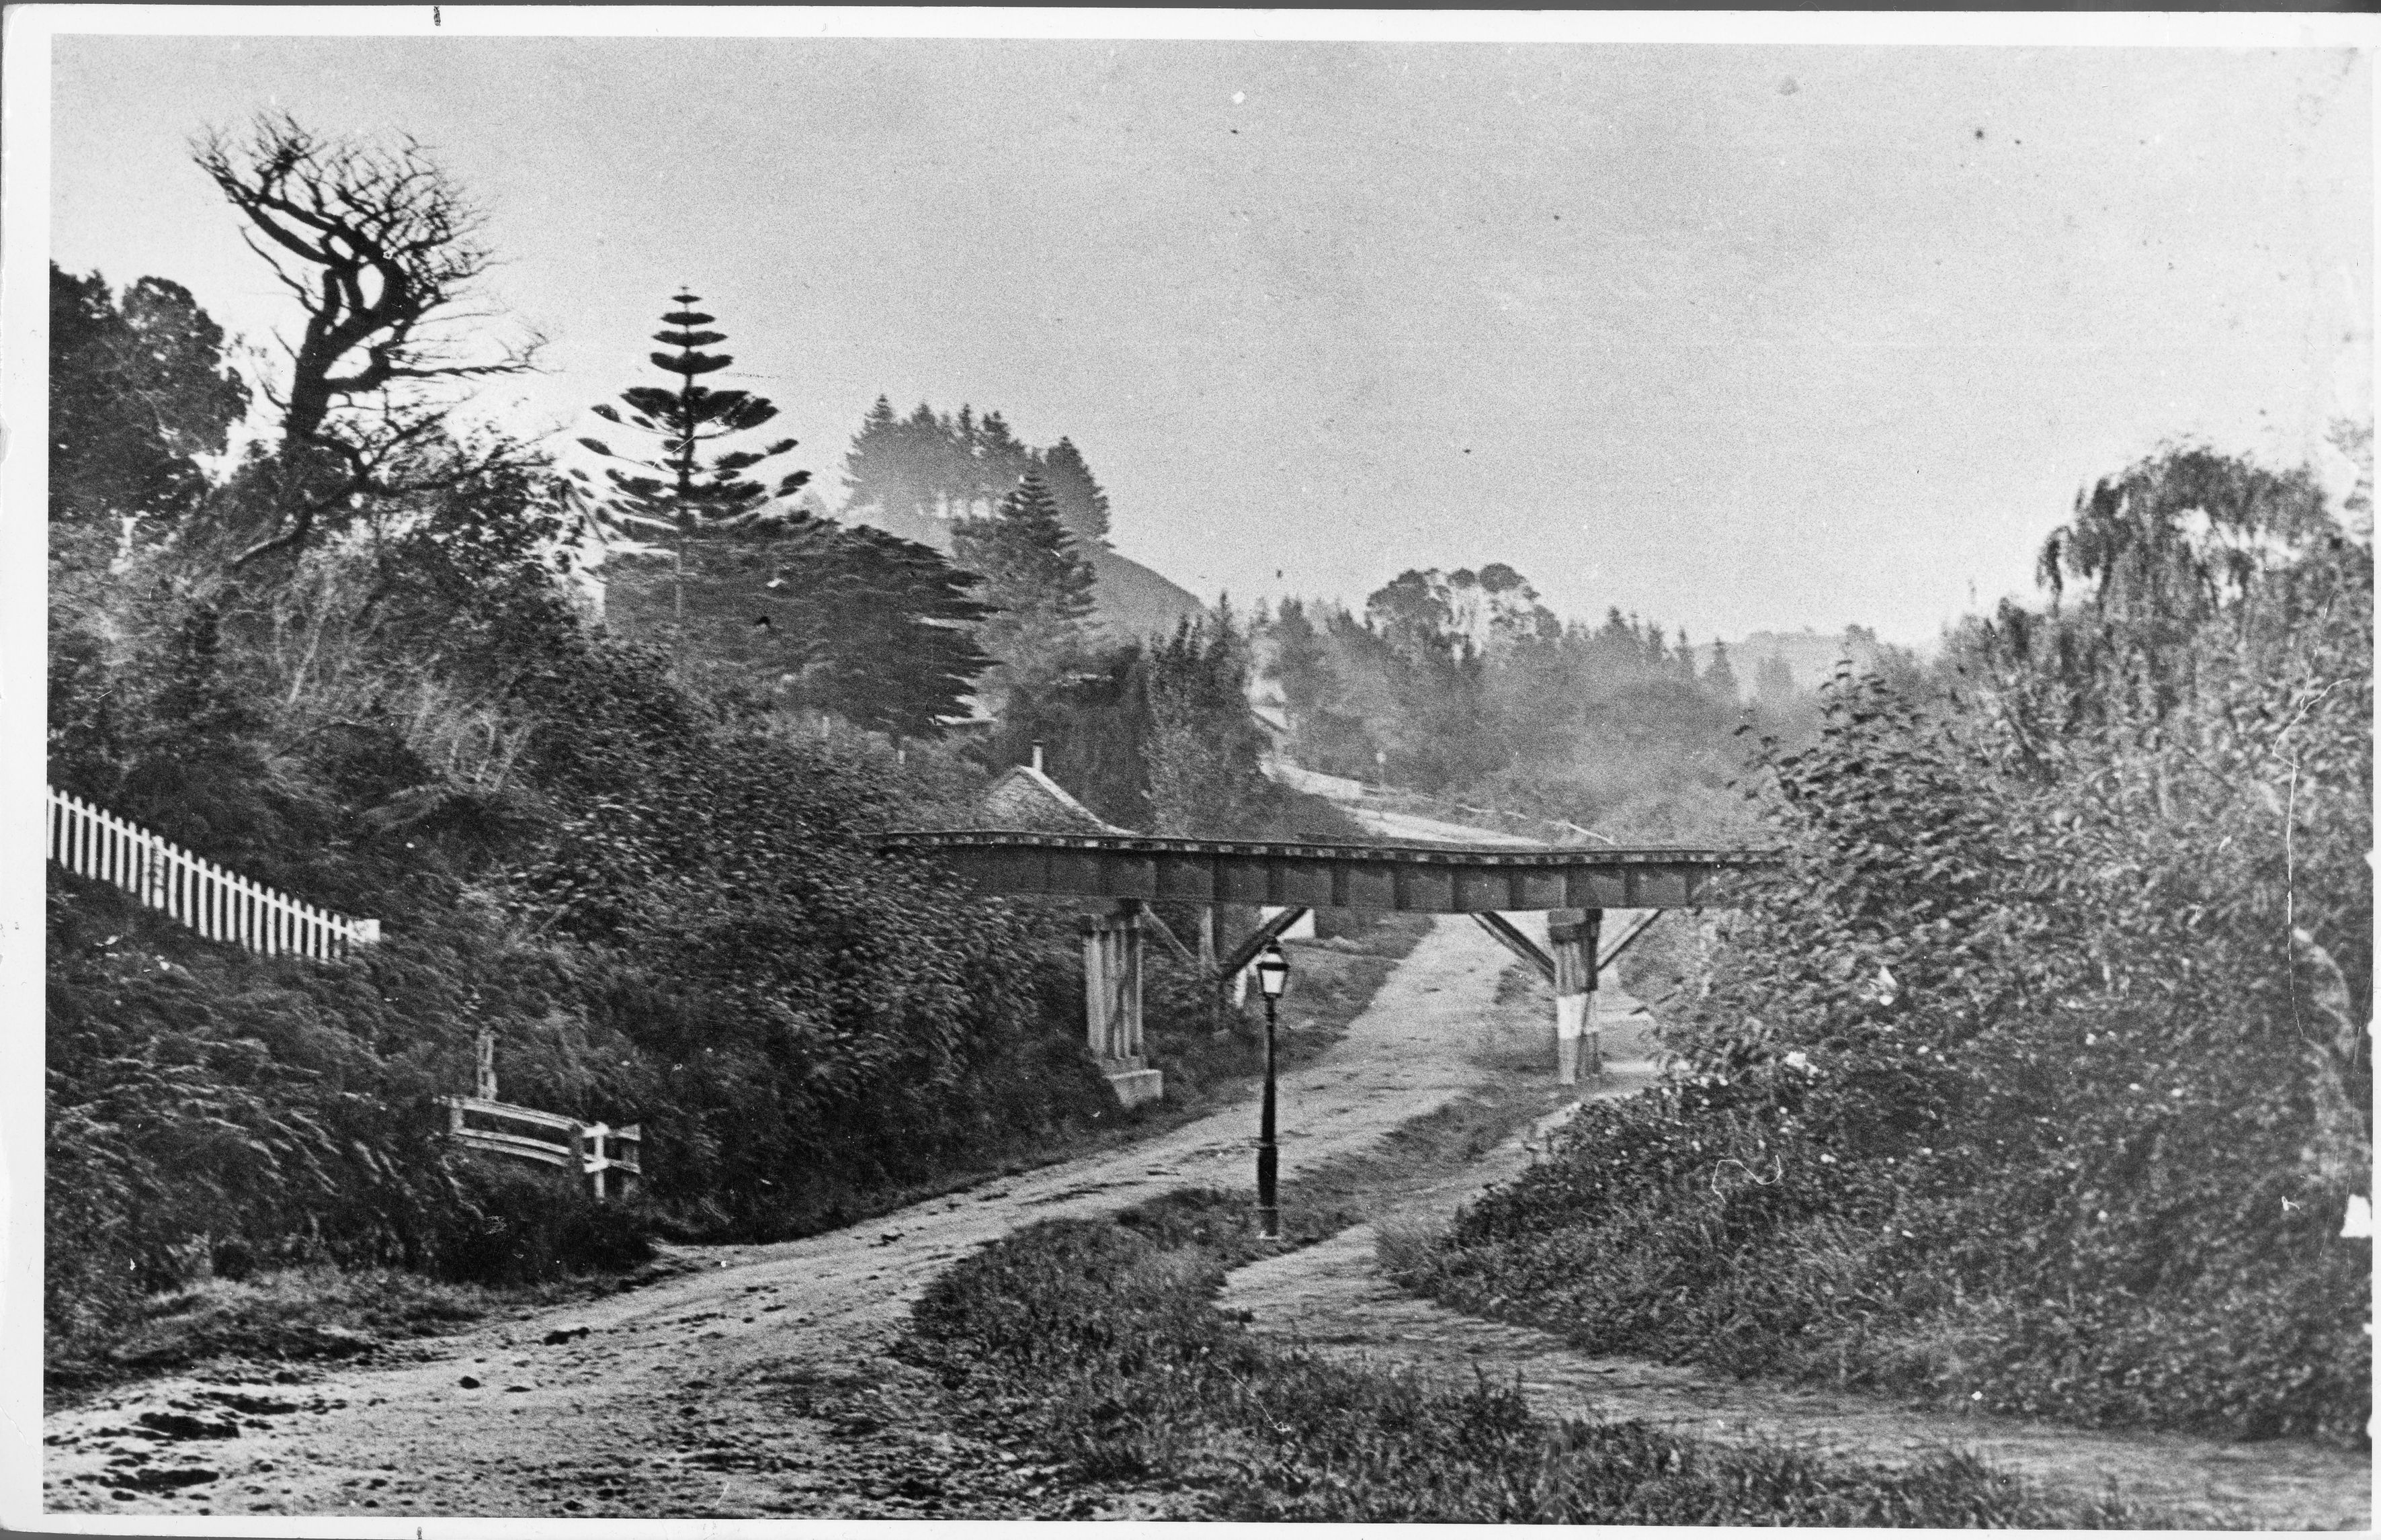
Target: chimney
x,y
1037,754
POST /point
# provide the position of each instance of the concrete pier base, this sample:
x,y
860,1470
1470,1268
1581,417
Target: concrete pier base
x,y
1134,1084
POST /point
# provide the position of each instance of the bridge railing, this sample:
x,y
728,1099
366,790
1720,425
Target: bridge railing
x,y
220,905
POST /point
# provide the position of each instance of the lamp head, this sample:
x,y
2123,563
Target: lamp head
x,y
1272,971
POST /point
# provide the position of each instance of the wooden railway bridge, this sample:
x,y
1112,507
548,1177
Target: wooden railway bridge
x,y
1121,875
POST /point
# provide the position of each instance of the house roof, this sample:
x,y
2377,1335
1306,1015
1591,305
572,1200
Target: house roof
x,y
1025,798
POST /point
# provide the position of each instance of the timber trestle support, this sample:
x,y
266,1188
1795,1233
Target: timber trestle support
x,y
1572,886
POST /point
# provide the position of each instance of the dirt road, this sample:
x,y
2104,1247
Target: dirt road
x,y
745,1388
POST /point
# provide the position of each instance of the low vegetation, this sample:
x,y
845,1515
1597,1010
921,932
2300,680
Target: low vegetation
x,y
1100,1341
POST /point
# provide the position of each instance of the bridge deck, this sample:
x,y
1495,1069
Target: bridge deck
x,y
1428,879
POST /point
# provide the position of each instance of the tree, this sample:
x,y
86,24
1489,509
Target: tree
x,y
1410,612
380,249
1082,507
1001,461
137,390
1204,746
684,487
928,449
1036,582
874,468
1719,677
2162,551
884,628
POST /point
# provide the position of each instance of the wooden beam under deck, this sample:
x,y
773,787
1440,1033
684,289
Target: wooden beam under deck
x,y
1405,878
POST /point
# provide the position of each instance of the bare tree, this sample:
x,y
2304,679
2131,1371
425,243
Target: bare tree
x,y
381,248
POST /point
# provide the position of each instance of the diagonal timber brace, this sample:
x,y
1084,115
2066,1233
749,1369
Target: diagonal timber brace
x,y
1165,932
1612,953
1522,946
1246,952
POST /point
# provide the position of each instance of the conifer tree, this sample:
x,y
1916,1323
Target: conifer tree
x,y
683,486
926,452
1001,461
967,449
881,626
1036,581
872,465
1081,503
1720,677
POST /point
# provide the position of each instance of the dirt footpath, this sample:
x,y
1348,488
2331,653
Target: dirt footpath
x,y
1332,1298
756,1387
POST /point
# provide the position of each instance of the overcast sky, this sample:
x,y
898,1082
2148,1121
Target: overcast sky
x,y
1736,339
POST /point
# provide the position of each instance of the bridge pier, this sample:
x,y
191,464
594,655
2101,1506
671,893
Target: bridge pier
x,y
1112,952
1572,936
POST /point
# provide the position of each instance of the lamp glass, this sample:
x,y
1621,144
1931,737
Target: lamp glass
x,y
1273,971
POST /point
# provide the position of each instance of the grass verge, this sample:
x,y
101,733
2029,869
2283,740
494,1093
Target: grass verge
x,y
1100,1341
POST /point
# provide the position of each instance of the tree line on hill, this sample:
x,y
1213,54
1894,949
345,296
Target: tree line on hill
x,y
963,466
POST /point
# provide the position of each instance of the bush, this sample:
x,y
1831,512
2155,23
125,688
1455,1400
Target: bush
x,y
523,1225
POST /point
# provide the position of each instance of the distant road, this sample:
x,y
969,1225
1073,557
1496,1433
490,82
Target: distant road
x,y
1358,801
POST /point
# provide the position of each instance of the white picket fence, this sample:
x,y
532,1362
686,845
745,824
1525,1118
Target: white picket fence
x,y
222,906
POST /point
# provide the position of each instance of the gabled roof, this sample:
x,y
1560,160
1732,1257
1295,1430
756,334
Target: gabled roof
x,y
1026,798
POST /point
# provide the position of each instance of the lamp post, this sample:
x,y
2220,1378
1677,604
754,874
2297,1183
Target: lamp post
x,y
1273,977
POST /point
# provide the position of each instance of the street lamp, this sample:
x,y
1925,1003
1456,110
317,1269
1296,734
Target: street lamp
x,y
1273,977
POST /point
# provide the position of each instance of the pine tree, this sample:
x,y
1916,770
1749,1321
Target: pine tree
x,y
1720,677
871,466
881,627
1081,505
684,487
926,456
1001,461
1205,749
967,450
1036,581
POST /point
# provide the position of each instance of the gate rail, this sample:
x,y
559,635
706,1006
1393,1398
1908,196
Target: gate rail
x,y
593,1149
